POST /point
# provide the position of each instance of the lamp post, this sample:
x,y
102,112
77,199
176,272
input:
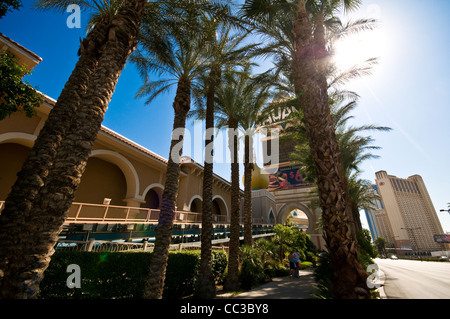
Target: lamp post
x,y
445,210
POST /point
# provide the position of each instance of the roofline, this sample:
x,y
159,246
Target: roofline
x,y
189,160
24,50
184,160
51,102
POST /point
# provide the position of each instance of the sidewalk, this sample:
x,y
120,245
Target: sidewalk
x,y
290,288
283,288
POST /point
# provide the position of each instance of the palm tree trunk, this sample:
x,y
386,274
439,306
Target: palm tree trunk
x,y
33,174
206,287
349,279
248,168
155,281
356,218
232,280
34,236
35,168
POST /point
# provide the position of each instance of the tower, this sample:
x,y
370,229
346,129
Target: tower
x,y
410,212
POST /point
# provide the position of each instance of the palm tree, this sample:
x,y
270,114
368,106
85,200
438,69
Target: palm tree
x,y
229,103
223,49
354,150
177,53
380,244
309,67
30,227
254,100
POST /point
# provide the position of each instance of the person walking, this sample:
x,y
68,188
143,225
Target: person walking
x,y
296,256
294,263
291,258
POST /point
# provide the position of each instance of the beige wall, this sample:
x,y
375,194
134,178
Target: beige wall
x,y
101,180
12,157
117,169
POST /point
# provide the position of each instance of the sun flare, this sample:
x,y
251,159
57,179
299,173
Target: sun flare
x,y
358,48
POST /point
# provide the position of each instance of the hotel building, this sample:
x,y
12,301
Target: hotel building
x,y
407,217
121,189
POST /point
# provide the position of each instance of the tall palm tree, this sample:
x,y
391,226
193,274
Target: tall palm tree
x,y
309,67
30,228
223,49
228,102
178,54
234,98
254,101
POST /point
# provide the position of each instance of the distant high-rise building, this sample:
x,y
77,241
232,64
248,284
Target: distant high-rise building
x,y
409,213
379,225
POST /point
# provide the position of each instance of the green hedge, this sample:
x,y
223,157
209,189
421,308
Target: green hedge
x,y
119,275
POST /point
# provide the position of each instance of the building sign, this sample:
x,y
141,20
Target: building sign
x,y
442,239
287,177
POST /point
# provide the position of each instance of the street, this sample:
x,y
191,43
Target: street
x,y
415,279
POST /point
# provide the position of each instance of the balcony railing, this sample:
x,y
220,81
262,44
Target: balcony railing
x,y
98,213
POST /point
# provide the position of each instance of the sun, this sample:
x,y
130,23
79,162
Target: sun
x,y
356,49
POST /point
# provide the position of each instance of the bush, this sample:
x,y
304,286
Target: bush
x,y
252,268
219,264
323,275
119,275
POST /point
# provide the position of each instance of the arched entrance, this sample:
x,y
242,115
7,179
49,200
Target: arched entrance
x,y
220,209
271,218
299,214
195,205
152,196
100,180
299,219
127,169
152,200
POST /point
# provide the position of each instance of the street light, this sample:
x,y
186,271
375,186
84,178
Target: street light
x,y
445,210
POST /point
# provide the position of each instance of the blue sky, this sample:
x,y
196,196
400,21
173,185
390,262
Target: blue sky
x,y
408,90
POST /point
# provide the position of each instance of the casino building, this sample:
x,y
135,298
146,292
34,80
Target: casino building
x,y
120,191
406,216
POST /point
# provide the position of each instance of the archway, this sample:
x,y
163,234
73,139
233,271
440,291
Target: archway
x,y
152,196
195,205
152,200
298,214
271,217
100,180
220,209
128,170
24,139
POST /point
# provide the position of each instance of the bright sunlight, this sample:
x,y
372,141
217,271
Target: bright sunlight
x,y
358,48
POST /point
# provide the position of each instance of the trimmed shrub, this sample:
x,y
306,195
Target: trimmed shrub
x,y
122,275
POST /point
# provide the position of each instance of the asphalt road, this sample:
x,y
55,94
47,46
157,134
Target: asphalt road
x,y
411,279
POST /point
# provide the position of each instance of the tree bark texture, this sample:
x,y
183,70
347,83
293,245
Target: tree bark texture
x,y
248,169
311,88
232,279
206,288
28,250
155,281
